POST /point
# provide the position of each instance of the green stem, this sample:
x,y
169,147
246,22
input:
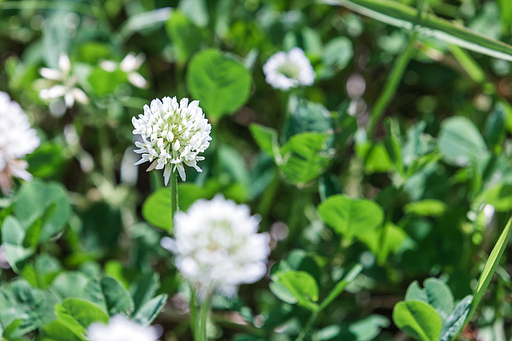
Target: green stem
x,y
304,332
205,308
174,193
193,312
391,85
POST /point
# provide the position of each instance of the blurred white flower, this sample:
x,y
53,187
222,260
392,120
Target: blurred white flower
x,y
64,83
488,211
17,139
172,135
289,70
120,328
217,246
129,65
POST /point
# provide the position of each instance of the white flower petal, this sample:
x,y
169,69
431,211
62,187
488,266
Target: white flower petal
x,y
17,140
51,74
108,65
137,80
129,62
55,91
172,133
64,63
120,328
289,70
80,96
217,246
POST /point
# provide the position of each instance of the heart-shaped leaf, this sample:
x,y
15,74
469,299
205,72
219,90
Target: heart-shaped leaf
x,y
435,292
350,217
220,83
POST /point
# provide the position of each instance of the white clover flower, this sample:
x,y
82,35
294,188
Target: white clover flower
x,y
64,83
17,139
129,65
289,70
121,328
217,246
172,135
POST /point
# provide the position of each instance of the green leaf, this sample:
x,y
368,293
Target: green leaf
x,y
44,208
144,288
401,15
221,83
265,137
304,157
13,235
56,330
435,293
20,301
426,207
78,314
376,157
460,141
393,148
384,241
150,310
506,12
306,116
282,292
196,10
336,55
70,284
105,82
185,35
417,319
455,322
47,160
368,328
490,266
300,285
157,209
341,285
500,196
495,124
350,217
117,299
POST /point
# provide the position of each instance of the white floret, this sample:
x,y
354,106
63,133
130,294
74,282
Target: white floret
x,y
217,246
172,135
289,70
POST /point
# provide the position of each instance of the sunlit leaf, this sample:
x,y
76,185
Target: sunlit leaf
x,y
418,319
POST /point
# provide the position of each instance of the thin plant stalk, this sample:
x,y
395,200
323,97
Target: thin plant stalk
x,y
193,313
305,331
396,75
204,310
391,85
174,193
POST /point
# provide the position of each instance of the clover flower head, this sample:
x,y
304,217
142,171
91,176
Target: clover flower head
x,y
64,83
285,70
129,65
17,139
173,134
217,246
121,328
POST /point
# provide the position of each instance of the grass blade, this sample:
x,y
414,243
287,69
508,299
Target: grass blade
x,y
400,15
490,267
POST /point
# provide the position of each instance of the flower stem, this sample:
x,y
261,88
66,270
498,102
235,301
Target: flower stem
x,y
193,313
205,308
391,85
305,331
174,193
